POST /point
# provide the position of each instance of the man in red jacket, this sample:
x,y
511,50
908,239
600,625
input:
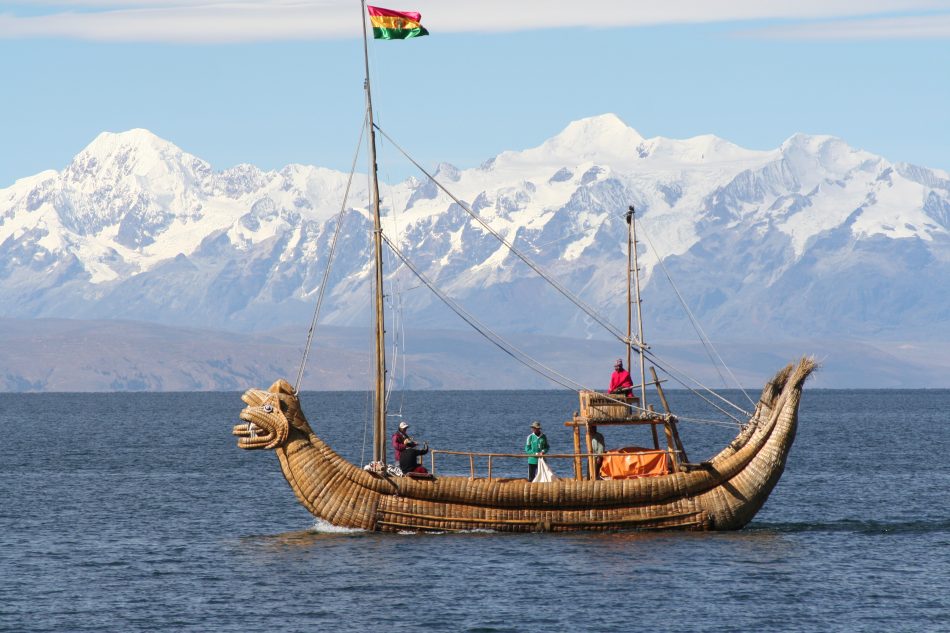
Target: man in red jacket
x,y
620,381
401,440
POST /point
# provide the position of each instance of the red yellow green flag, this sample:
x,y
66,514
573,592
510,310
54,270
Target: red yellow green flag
x,y
395,25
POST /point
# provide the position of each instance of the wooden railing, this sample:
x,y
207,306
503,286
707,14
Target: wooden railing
x,y
491,456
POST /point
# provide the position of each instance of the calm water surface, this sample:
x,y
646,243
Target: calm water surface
x,y
136,512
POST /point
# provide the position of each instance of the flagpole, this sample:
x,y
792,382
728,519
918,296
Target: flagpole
x,y
379,406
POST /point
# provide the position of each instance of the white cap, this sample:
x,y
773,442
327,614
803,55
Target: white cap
x,y
403,425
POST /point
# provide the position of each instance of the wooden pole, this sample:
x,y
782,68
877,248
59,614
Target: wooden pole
x,y
676,438
667,428
631,220
629,281
659,390
672,435
656,439
590,449
671,445
379,401
577,449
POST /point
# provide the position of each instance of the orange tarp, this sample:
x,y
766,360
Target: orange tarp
x,y
633,462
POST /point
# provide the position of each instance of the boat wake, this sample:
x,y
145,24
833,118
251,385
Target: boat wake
x,y
324,527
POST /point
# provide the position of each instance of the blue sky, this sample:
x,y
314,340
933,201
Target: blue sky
x,y
272,82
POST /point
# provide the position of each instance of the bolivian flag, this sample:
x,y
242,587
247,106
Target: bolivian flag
x,y
395,25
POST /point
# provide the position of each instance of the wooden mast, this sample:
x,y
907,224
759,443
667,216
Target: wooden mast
x,y
632,253
379,401
629,283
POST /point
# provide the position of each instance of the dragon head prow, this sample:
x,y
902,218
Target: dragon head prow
x,y
270,416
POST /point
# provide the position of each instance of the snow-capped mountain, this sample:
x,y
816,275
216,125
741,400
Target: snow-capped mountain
x,y
811,238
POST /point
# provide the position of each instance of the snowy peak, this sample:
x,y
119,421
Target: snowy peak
x,y
603,139
136,153
109,143
824,155
607,141
134,178
604,132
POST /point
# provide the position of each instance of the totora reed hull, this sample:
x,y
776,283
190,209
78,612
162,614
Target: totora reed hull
x,y
723,493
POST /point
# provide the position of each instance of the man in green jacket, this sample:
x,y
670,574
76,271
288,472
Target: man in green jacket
x,y
535,445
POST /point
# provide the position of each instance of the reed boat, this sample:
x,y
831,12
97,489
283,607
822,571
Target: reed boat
x,y
656,488
723,493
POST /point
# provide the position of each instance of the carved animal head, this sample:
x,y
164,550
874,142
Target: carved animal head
x,y
270,417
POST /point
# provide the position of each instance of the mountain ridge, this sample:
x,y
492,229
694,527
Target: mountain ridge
x,y
67,355
812,237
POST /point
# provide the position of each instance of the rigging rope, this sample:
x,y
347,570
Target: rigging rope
x,y
482,329
519,355
496,339
395,308
537,366
721,423
367,405
398,320
524,258
326,272
671,372
706,342
557,285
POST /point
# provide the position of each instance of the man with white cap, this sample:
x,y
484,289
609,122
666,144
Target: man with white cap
x,y
401,440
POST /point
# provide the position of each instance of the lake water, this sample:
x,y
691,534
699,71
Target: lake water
x,y
136,512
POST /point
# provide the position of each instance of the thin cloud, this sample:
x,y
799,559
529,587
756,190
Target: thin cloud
x,y
125,4
181,22
897,28
194,21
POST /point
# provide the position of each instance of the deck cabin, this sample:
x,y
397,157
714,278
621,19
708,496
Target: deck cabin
x,y
601,409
